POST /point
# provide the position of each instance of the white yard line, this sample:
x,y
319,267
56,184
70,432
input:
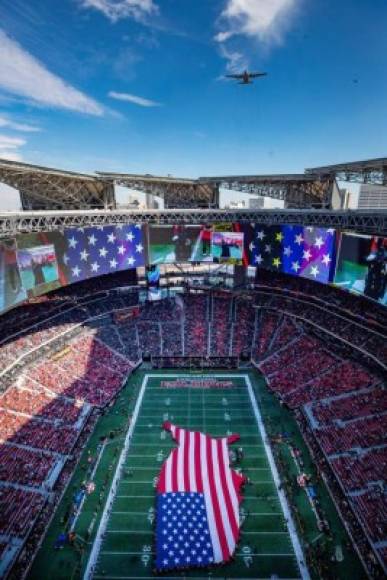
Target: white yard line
x,y
92,476
113,488
282,497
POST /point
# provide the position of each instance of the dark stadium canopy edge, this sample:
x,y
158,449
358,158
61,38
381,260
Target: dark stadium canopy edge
x,y
367,171
372,222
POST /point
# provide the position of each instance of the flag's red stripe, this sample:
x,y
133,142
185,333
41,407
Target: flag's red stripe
x,y
215,501
198,464
161,482
186,461
175,486
226,491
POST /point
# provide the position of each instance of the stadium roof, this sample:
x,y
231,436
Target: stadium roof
x,y
368,171
46,188
177,192
372,222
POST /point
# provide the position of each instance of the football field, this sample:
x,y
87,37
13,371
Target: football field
x,y
124,545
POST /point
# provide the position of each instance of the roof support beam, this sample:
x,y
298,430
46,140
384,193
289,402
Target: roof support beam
x,y
370,222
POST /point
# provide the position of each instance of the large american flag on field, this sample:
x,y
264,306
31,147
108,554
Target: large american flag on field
x,y
198,497
103,250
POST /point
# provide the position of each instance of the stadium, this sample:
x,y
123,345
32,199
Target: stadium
x,y
192,352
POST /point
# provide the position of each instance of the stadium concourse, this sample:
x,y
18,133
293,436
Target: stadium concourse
x,y
71,385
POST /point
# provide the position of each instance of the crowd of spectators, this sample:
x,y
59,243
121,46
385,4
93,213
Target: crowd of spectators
x,y
18,510
42,415
356,471
196,311
88,354
221,326
346,406
368,402
243,326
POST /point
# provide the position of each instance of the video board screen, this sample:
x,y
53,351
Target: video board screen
x,y
227,247
11,287
38,267
169,244
301,251
362,266
103,250
219,243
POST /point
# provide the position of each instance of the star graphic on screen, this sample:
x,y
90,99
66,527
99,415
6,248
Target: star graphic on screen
x,y
102,252
295,266
113,263
95,267
258,259
307,255
268,248
66,259
276,262
314,271
121,249
298,239
129,237
92,240
131,260
251,246
139,248
73,242
288,251
326,259
279,237
84,255
261,235
111,238
319,242
76,271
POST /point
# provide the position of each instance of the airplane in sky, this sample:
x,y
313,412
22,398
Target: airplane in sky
x,y
245,77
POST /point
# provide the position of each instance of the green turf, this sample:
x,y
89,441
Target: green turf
x,y
130,527
127,549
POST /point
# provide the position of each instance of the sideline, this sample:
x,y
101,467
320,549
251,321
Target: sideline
x,y
97,544
281,494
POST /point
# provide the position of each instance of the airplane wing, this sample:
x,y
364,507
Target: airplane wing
x,y
255,75
234,76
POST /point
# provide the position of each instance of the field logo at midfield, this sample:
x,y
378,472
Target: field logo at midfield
x,y
196,383
197,506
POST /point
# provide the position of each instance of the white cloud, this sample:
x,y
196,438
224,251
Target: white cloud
x,y
9,147
236,61
116,10
263,19
24,127
23,75
133,99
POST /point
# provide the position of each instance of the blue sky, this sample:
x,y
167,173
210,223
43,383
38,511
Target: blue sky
x,y
169,111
